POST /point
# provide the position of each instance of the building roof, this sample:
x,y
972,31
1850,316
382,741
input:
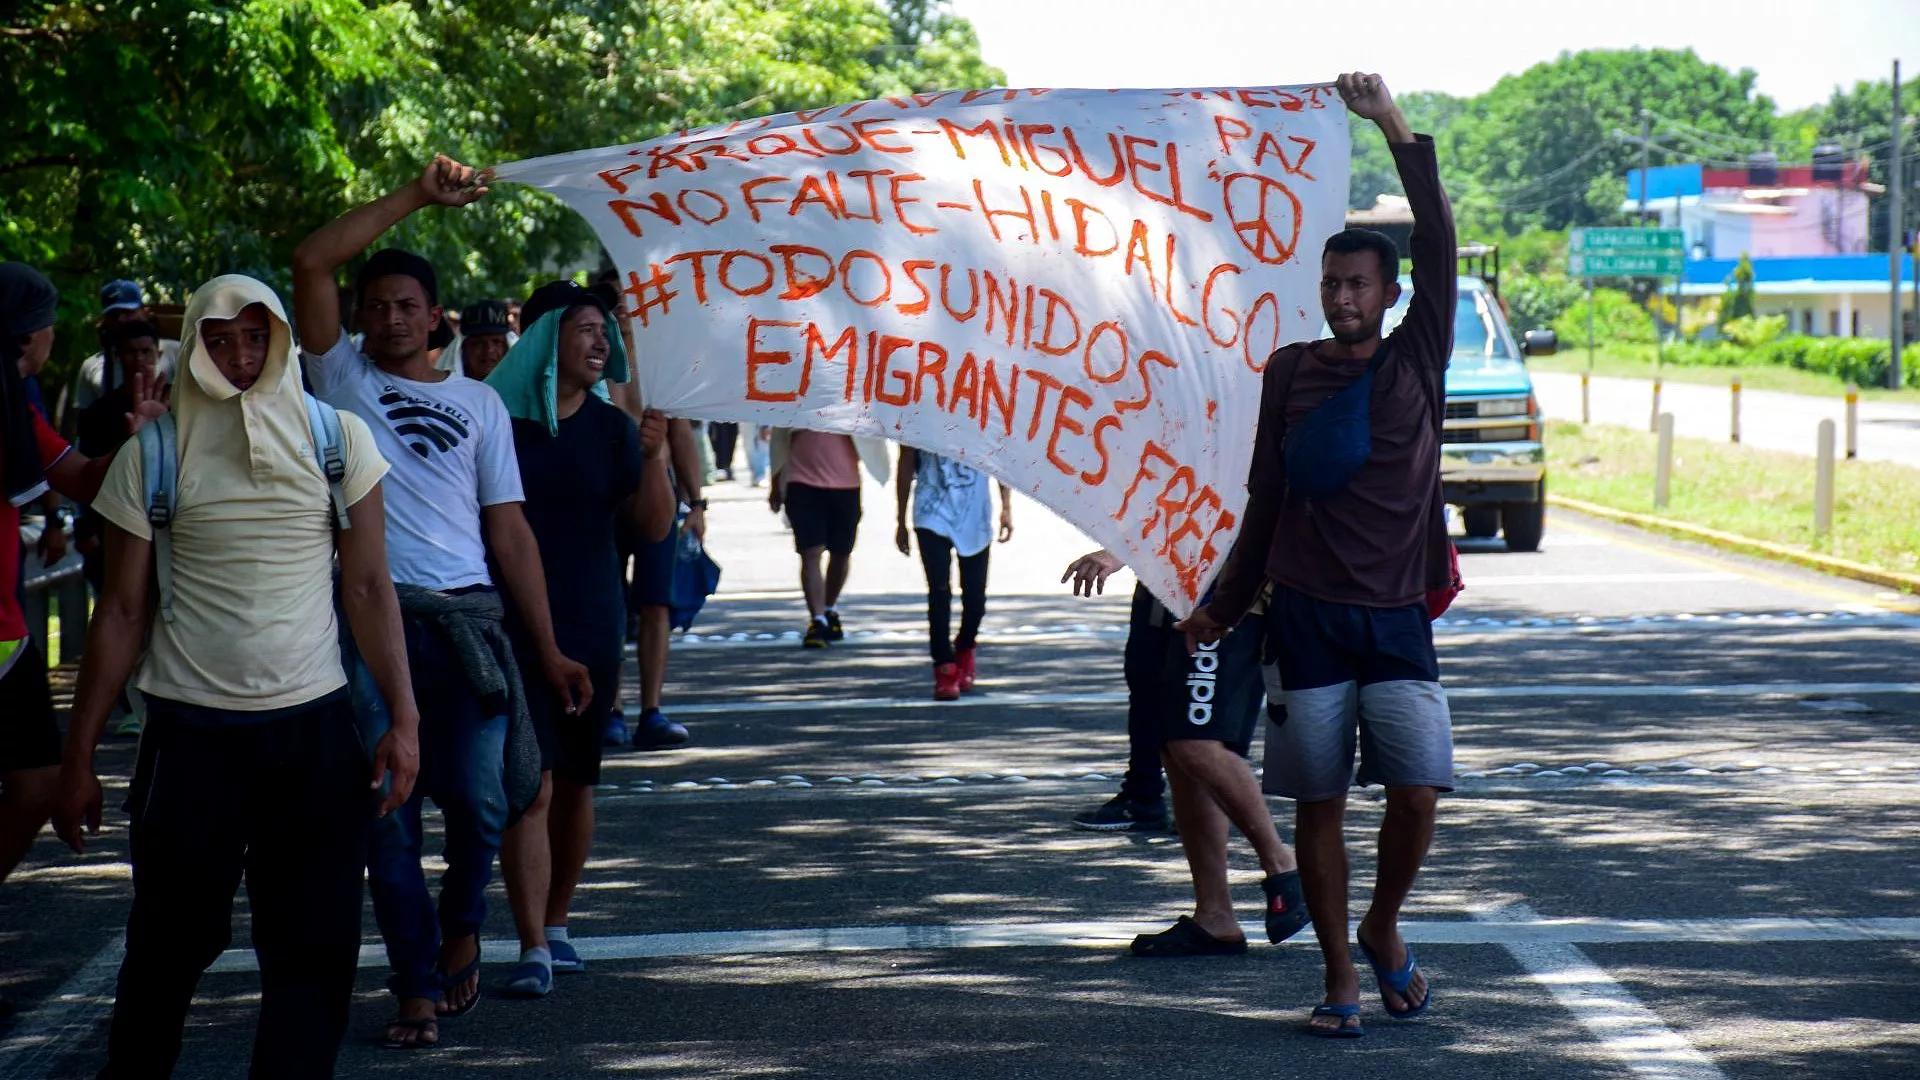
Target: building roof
x,y
1665,182
1805,270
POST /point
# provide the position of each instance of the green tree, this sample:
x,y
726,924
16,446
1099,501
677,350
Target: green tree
x,y
165,140
1739,302
1537,142
171,140
1373,173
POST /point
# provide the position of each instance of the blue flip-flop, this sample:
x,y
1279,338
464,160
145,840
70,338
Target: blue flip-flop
x,y
1399,981
1343,1031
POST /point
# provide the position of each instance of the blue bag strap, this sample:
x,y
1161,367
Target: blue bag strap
x,y
329,448
160,469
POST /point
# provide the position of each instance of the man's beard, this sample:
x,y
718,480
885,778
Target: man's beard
x,y
1367,332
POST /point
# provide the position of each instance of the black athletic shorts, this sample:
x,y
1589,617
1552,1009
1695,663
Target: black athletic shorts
x,y
653,571
570,745
1214,693
29,736
823,517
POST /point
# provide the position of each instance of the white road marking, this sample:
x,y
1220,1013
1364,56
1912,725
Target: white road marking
x,y
1461,625
1455,693
62,1023
1617,1020
1527,932
1495,581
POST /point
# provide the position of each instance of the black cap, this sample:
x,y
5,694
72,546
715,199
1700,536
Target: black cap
x,y
484,317
392,262
562,296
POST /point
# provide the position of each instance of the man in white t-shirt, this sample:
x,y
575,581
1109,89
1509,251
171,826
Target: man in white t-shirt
x,y
453,501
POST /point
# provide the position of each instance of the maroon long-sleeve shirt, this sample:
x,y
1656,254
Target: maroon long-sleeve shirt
x,y
1381,541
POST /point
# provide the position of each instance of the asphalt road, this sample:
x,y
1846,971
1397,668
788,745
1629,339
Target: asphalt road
x,y
1683,845
1768,419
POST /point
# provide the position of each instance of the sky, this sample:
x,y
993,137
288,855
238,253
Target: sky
x,y
1799,50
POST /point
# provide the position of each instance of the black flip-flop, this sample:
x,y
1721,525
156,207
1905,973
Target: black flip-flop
x,y
418,1027
1186,938
448,982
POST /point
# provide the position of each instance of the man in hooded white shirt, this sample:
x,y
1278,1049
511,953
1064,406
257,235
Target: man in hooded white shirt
x,y
250,763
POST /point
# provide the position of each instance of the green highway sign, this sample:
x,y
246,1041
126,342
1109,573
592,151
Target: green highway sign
x,y
1611,264
1611,241
1626,252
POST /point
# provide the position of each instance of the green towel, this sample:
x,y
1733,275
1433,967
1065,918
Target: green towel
x,y
529,372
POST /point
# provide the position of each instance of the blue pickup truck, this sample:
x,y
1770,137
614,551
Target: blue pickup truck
x,y
1493,464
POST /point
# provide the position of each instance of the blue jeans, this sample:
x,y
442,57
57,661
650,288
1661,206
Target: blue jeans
x,y
463,770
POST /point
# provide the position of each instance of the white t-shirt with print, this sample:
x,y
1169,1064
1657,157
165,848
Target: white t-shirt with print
x,y
450,445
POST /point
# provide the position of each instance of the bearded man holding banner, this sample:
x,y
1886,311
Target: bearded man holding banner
x,y
1345,519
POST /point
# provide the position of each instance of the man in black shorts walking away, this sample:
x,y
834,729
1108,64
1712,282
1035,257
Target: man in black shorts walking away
x,y
1203,704
1346,521
816,478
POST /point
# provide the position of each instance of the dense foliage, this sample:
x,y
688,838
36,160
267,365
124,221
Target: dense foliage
x,y
169,140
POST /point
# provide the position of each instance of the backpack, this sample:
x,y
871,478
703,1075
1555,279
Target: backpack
x,y
1335,439
160,467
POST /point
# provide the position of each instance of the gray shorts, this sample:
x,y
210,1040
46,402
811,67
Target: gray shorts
x,y
1355,678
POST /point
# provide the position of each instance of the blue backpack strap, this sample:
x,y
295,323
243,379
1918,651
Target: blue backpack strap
x,y
160,469
329,448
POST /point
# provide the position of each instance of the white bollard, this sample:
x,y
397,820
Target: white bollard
x,y
1823,482
1653,421
1853,421
1586,398
1736,408
1663,468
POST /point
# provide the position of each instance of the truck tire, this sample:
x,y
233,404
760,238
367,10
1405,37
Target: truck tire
x,y
1481,521
1524,523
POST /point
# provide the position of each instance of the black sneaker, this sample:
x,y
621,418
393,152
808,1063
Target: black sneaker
x,y
817,635
1120,814
834,633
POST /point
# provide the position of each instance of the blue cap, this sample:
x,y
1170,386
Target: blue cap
x,y
121,295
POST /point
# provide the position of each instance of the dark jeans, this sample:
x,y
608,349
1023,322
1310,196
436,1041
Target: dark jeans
x,y
936,556
463,770
1146,780
723,436
281,799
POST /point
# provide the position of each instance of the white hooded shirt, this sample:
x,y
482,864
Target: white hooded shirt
x,y
252,536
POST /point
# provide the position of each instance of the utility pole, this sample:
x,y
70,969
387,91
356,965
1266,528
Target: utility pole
x,y
1646,181
1646,157
1896,237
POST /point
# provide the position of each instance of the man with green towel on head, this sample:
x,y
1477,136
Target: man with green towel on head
x,y
590,474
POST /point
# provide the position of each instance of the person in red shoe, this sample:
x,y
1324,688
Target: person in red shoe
x,y
952,515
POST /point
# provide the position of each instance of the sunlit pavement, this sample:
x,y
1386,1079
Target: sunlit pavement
x,y
1684,844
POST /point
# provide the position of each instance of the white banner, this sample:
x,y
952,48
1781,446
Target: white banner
x,y
1075,290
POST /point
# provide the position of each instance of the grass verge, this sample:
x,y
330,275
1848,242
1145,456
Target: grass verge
x,y
1762,494
1636,362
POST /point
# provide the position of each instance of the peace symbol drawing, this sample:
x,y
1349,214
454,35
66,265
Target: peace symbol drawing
x,y
1265,216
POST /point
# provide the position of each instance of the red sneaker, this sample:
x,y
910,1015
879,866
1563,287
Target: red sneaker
x,y
964,661
946,682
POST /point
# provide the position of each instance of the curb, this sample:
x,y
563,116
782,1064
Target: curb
x,y
1907,583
